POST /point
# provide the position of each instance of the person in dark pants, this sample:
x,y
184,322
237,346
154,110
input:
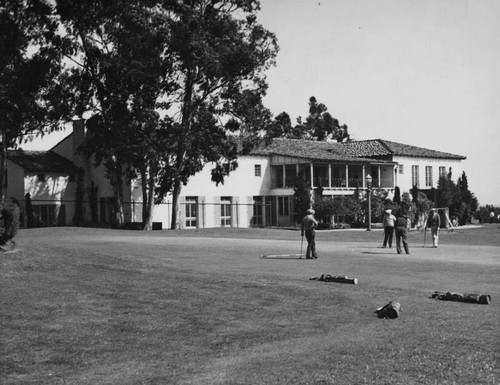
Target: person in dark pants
x,y
388,227
434,223
401,226
308,226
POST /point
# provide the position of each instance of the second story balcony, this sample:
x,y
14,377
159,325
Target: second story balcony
x,y
332,176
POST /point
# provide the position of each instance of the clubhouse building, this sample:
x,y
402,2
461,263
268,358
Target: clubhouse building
x,y
258,193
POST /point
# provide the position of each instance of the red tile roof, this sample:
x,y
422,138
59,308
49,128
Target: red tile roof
x,y
358,151
381,147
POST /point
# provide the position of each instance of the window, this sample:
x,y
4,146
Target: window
x,y
414,176
257,211
290,175
257,170
400,168
44,215
191,212
225,211
428,176
278,176
283,208
442,171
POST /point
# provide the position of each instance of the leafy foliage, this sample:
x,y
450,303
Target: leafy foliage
x,y
319,125
9,221
161,78
30,65
457,197
301,197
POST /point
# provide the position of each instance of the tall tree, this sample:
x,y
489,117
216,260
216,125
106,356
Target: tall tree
x,y
301,197
118,52
29,69
219,52
320,125
468,202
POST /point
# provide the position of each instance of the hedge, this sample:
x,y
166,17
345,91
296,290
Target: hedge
x,y
9,221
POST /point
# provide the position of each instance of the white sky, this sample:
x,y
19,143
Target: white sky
x,y
419,72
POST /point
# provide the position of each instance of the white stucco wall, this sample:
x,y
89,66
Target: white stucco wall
x,y
240,182
53,189
404,181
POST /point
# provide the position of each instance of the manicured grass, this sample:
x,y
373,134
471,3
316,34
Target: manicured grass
x,y
94,306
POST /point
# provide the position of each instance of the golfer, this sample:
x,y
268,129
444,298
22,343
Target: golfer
x,y
388,227
308,226
401,226
434,223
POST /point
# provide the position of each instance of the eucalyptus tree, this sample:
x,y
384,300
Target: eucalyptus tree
x,y
220,53
30,65
118,63
164,79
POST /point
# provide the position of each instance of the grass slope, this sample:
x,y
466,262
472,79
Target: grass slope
x,y
93,306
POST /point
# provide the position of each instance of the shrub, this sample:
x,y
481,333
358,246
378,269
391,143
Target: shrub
x,y
9,221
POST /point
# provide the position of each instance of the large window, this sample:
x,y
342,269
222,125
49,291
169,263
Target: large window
x,y
290,175
257,211
225,211
320,173
283,205
414,176
191,212
278,176
428,176
44,215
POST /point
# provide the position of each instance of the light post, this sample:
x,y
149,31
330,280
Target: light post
x,y
369,193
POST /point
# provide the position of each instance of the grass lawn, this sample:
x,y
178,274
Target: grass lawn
x,y
100,306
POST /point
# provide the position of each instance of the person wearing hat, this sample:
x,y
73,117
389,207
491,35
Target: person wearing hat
x,y
434,223
308,226
401,225
388,227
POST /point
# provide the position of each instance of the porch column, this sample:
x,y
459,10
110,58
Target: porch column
x,y
364,176
346,175
312,175
284,176
379,175
329,175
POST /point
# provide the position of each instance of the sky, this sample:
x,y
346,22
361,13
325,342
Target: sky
x,y
418,72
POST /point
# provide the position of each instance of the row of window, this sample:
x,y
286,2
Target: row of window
x,y
415,174
225,210
191,219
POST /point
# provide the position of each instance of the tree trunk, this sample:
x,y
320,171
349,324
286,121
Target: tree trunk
x,y
3,155
187,113
116,172
175,203
148,185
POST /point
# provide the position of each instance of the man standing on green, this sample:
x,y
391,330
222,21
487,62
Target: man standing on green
x,y
401,226
434,223
308,226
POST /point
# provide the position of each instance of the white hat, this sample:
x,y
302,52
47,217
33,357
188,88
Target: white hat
x,y
310,211
388,211
433,209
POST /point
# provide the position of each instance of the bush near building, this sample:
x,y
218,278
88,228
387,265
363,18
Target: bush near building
x,y
9,222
